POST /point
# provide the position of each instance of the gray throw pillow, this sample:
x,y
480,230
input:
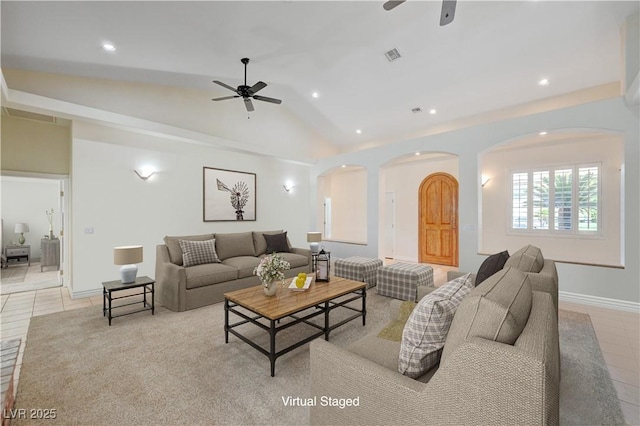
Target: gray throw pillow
x,y
491,265
276,243
198,252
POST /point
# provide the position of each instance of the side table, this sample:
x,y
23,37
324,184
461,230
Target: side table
x,y
109,287
18,254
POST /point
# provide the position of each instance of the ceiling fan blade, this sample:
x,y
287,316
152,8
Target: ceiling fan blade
x,y
448,12
248,104
225,85
265,99
258,86
225,98
392,3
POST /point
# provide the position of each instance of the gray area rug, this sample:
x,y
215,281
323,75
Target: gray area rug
x,y
587,395
174,368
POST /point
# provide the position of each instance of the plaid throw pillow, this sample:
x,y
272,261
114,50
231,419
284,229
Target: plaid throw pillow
x,y
426,329
198,252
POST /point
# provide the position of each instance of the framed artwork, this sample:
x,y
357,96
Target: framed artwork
x,y
228,195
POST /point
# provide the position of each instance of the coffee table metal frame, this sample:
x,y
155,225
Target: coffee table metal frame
x,y
274,327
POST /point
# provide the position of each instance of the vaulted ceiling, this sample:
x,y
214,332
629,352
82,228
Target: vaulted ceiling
x,y
491,57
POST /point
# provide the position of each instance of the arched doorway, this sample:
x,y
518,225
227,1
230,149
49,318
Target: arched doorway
x,y
438,220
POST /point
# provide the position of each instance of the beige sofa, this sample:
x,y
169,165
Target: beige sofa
x,y
478,380
182,288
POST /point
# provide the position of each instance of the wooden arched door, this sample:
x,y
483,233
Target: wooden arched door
x,y
438,220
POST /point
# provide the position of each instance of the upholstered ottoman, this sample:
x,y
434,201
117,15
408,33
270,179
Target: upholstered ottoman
x,y
358,268
401,280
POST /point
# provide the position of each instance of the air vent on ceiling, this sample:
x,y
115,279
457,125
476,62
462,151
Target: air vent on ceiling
x,y
392,55
10,112
416,110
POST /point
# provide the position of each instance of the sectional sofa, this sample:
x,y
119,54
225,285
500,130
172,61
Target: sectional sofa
x,y
181,287
500,362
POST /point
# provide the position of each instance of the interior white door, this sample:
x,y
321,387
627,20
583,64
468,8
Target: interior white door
x,y
390,225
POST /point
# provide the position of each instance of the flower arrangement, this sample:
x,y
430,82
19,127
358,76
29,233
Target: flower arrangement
x,y
50,217
271,268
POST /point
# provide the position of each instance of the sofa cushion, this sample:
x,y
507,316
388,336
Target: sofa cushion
x,y
295,260
235,244
381,351
426,329
491,265
260,243
173,245
244,264
198,252
498,309
276,243
208,274
527,259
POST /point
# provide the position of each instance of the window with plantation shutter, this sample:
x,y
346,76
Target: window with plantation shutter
x,y
556,200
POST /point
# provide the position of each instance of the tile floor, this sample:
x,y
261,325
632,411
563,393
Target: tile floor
x,y
617,331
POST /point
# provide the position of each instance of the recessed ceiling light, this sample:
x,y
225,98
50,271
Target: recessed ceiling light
x,y
417,153
315,94
544,82
432,111
358,131
344,165
108,47
542,133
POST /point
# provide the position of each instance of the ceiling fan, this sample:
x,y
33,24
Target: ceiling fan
x,y
246,92
446,15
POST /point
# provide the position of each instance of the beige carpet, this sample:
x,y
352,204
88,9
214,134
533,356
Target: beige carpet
x,y
174,368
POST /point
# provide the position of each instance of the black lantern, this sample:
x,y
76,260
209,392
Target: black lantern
x,y
323,264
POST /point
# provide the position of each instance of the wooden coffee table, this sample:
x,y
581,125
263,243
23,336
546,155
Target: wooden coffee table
x,y
287,303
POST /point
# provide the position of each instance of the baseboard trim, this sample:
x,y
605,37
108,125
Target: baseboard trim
x,y
85,293
406,259
603,302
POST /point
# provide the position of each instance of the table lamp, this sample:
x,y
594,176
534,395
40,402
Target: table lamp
x,y
21,228
314,238
127,256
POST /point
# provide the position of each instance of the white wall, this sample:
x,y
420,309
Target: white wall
x,y
121,209
348,193
469,143
404,180
603,249
26,200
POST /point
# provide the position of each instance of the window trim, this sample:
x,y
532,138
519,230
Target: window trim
x,y
575,231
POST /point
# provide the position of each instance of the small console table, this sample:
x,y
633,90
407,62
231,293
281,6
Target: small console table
x,y
18,254
109,287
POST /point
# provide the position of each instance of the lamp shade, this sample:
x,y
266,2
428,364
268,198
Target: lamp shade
x,y
314,237
21,227
127,255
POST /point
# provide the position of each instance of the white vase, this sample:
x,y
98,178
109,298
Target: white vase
x,y
270,287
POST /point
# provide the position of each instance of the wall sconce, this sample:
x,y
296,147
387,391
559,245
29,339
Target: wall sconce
x,y
485,180
145,173
288,186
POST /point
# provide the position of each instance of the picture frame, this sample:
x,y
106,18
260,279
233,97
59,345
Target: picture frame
x,y
228,195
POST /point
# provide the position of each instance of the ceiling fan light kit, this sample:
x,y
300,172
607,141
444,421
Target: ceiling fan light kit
x,y
245,92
